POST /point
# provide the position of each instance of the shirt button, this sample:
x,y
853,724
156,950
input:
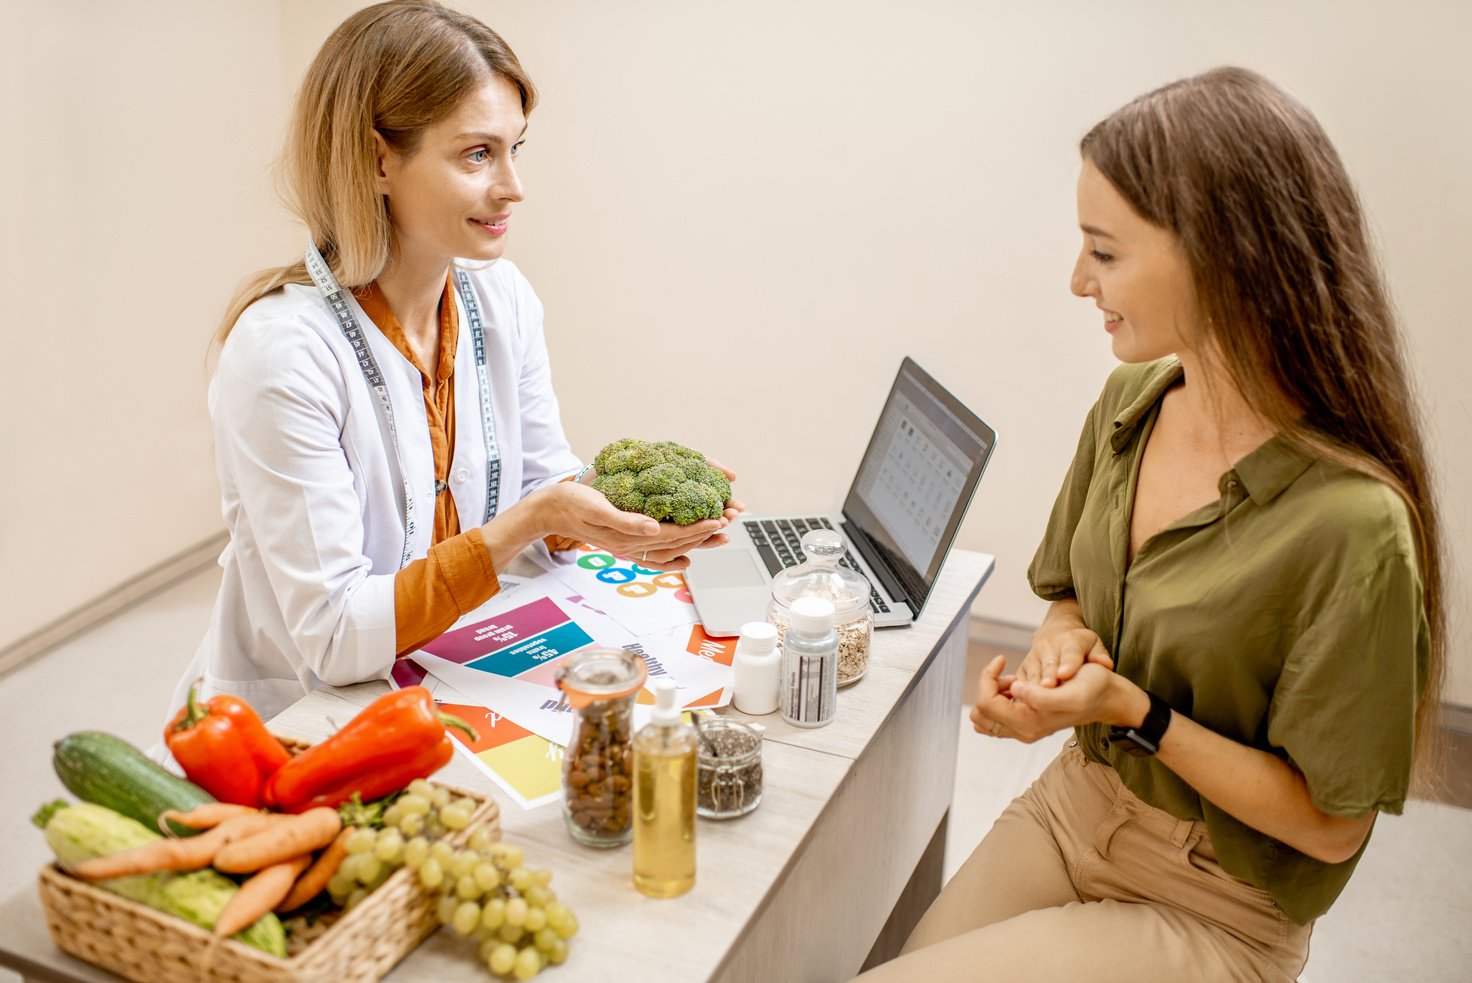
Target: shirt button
x,y
462,475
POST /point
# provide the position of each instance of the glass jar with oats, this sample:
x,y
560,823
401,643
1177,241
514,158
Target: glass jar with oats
x,y
826,575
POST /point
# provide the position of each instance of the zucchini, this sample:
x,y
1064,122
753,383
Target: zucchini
x,y
108,771
77,832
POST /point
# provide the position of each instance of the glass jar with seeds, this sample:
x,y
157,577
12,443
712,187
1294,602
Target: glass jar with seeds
x,y
728,769
828,575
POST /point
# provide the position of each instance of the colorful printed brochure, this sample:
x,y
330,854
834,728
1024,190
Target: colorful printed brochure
x,y
497,665
527,766
699,663
642,601
526,638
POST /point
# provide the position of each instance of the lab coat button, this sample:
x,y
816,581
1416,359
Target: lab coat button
x,y
462,475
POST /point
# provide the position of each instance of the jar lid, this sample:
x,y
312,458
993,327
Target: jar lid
x,y
812,615
600,673
727,742
822,576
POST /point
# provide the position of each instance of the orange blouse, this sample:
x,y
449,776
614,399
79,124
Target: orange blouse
x,y
457,574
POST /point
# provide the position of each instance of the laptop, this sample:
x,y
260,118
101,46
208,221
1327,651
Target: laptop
x,y
913,486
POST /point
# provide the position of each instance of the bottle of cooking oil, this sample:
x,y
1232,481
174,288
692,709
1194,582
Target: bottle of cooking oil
x,y
664,800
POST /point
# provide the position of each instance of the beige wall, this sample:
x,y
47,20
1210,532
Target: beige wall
x,y
835,184
136,138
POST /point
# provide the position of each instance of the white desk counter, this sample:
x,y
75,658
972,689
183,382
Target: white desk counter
x,y
840,860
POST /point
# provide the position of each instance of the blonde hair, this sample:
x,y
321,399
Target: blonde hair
x,y
394,68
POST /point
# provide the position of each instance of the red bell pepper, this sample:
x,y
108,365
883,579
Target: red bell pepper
x,y
397,738
224,748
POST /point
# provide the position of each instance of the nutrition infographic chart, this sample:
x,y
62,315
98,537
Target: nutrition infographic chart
x,y
641,600
525,643
527,766
496,668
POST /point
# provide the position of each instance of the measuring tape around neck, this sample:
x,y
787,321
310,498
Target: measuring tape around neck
x,y
482,376
336,298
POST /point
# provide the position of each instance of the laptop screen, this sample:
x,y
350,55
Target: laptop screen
x,y
917,478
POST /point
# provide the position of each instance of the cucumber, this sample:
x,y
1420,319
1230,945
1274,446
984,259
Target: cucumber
x,y
77,832
108,771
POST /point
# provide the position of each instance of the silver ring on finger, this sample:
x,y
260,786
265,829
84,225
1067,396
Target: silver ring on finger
x,y
644,556
996,728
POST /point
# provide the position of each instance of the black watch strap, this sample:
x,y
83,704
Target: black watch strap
x,y
1145,739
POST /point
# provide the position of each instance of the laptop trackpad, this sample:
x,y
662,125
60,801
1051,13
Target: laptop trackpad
x,y
727,568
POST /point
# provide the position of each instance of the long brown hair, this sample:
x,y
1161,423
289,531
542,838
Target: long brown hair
x,y
396,68
1290,291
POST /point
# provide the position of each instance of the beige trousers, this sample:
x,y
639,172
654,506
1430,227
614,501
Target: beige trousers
x,y
1081,881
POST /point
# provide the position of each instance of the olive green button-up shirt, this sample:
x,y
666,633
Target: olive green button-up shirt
x,y
1287,616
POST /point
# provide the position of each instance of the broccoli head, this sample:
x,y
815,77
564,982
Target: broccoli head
x,y
663,480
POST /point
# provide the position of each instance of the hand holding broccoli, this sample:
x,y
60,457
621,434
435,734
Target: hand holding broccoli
x,y
663,480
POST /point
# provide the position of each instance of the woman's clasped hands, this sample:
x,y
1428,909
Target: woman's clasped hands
x,y
1066,679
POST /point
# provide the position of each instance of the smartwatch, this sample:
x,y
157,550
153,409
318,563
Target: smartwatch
x,y
1144,740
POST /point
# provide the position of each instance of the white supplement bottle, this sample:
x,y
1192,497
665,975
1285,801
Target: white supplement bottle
x,y
758,667
810,664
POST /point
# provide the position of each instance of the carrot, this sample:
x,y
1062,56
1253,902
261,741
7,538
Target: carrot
x,y
188,853
287,838
259,895
207,816
311,883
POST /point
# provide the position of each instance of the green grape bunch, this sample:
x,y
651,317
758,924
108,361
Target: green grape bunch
x,y
486,892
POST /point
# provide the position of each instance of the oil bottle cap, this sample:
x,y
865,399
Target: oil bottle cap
x,y
665,711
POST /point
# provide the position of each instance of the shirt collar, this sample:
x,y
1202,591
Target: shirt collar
x,y
1272,467
1265,472
375,305
1166,373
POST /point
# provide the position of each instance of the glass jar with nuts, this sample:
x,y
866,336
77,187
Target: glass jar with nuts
x,y
824,575
600,684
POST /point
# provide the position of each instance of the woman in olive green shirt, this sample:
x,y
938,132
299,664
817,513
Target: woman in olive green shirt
x,y
1243,564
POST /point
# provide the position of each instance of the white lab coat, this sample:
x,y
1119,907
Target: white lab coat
x,y
310,482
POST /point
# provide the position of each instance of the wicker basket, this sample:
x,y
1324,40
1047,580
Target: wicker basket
x,y
358,946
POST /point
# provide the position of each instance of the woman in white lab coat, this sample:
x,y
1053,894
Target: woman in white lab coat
x,y
387,436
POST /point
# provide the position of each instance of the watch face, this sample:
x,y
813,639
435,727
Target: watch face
x,y
1131,742
1144,740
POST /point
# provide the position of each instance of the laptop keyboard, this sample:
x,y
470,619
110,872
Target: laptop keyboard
x,y
779,543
